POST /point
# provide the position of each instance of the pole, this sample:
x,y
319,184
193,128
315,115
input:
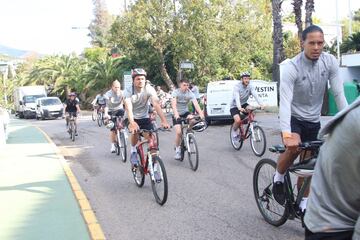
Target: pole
x,y
350,19
337,30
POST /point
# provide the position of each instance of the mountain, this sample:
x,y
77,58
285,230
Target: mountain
x,y
12,52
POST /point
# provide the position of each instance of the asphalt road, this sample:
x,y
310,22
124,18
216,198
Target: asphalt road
x,y
216,202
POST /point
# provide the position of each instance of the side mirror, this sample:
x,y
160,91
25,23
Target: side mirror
x,y
20,102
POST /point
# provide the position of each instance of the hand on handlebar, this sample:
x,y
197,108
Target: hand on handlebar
x,y
133,127
292,143
165,125
242,109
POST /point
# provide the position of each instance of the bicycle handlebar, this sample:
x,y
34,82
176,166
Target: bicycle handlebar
x,y
311,145
153,130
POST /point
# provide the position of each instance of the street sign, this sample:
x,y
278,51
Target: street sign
x,y
186,65
127,79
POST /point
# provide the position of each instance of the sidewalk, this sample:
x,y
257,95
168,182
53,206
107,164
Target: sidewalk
x,y
36,198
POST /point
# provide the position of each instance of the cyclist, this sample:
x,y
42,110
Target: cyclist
x,y
114,107
137,99
181,98
333,210
302,87
239,105
72,107
99,101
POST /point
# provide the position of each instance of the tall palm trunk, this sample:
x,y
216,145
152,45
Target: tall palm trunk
x,y
278,47
297,11
309,9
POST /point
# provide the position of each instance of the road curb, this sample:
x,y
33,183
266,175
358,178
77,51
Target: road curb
x,y
94,228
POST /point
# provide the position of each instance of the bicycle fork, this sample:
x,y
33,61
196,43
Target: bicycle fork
x,y
151,167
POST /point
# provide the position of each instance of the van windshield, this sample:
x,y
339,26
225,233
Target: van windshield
x,y
32,98
51,101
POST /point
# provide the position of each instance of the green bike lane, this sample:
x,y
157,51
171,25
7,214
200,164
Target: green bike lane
x,y
36,198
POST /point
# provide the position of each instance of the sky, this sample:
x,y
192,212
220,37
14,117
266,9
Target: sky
x,y
46,26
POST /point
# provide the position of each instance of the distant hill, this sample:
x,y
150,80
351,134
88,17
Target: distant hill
x,y
12,52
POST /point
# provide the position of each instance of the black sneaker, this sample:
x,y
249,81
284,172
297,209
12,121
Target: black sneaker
x,y
279,192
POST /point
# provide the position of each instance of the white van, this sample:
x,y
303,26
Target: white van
x,y
218,99
49,107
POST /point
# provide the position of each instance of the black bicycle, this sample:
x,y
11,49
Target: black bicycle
x,y
274,213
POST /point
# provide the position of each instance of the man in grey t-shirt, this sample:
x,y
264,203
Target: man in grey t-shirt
x,y
181,98
137,99
333,210
303,84
114,106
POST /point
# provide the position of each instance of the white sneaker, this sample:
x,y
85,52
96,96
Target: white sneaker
x,y
177,155
235,136
113,148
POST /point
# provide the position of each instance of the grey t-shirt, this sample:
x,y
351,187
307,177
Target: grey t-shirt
x,y
114,102
303,83
334,200
182,100
140,100
242,93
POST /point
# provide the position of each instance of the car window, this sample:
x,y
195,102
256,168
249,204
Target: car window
x,y
50,101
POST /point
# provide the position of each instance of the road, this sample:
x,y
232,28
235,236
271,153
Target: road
x,y
216,202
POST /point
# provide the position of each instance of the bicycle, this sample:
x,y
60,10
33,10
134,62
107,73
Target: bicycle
x,y
100,115
252,131
117,124
188,142
71,125
94,113
151,163
152,116
274,213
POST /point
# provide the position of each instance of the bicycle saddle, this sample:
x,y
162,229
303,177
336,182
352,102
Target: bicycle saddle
x,y
304,168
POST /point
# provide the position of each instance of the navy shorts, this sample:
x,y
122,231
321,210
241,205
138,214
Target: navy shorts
x,y
308,131
178,121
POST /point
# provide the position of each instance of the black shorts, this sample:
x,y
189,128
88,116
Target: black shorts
x,y
178,121
117,113
234,111
346,235
308,131
144,123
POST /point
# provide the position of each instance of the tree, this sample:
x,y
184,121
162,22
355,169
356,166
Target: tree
x,y
278,48
100,25
351,44
298,16
309,9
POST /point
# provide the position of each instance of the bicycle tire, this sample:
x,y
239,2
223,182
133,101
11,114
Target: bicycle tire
x,y
138,174
261,138
100,119
122,147
236,145
72,131
266,194
193,156
182,150
94,115
160,199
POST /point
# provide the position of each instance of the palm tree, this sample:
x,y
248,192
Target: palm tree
x,y
278,47
309,9
298,16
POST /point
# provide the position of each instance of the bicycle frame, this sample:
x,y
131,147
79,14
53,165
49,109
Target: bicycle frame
x,y
250,121
152,149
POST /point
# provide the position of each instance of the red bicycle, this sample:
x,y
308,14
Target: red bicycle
x,y
151,163
250,128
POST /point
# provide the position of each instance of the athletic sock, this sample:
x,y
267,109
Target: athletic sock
x,y
177,149
279,177
303,204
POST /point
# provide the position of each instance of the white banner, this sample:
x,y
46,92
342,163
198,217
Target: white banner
x,y
266,91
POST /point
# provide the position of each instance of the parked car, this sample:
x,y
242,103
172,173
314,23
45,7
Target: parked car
x,y
49,107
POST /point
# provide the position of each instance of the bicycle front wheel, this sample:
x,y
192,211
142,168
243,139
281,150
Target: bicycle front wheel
x,y
273,213
193,153
236,143
121,148
258,141
93,115
100,119
160,184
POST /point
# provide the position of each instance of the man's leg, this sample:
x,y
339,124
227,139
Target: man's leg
x,y
133,156
177,141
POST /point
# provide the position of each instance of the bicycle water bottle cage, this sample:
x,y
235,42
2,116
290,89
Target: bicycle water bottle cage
x,y
304,168
277,148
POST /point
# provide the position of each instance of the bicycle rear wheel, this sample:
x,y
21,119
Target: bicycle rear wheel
x,y
100,119
159,185
193,153
258,141
138,173
237,144
182,150
273,213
